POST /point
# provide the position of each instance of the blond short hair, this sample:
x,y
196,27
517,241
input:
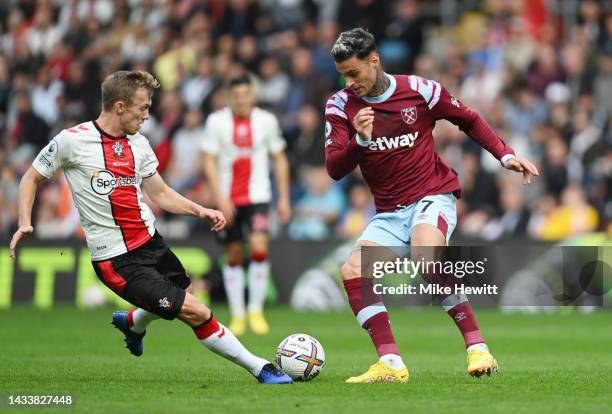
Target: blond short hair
x,y
122,85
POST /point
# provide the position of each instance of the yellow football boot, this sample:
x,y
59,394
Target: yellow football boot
x,y
258,323
380,372
238,326
480,362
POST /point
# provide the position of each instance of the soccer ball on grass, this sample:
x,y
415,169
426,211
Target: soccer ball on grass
x,y
300,356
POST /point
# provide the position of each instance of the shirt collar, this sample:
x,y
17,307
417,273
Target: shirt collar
x,y
385,95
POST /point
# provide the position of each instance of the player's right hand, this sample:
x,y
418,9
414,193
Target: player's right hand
x,y
215,217
364,122
229,210
21,233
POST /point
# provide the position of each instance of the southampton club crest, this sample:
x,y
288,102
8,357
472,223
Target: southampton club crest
x,y
409,115
118,148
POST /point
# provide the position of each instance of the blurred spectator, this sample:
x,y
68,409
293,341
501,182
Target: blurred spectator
x,y
82,95
327,34
574,216
239,17
45,95
185,165
306,86
524,110
6,88
29,132
318,210
9,189
555,165
274,86
171,109
173,65
478,187
197,89
542,76
43,35
149,13
545,70
360,211
137,45
403,36
307,139
512,223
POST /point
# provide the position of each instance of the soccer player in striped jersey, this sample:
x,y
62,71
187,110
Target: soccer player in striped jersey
x,y
238,143
106,162
383,123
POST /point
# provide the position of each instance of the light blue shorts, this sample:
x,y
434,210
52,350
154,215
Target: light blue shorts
x,y
395,228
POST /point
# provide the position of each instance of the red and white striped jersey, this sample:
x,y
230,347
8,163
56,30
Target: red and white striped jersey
x,y
242,147
104,173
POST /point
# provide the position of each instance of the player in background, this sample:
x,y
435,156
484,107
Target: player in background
x,y
237,144
106,162
383,124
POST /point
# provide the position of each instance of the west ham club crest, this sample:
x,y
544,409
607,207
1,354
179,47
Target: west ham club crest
x,y
118,148
409,115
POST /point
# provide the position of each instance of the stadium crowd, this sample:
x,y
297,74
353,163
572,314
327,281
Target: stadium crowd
x,y
544,82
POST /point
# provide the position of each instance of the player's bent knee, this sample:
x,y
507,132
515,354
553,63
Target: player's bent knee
x,y
234,254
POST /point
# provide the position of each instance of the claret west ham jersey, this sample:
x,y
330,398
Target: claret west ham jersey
x,y
399,163
104,173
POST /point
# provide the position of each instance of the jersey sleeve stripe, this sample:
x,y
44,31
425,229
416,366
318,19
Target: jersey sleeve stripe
x,y
429,89
332,110
436,95
414,83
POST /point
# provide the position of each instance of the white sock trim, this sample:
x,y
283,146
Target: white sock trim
x,y
141,319
224,343
481,347
392,361
453,300
369,311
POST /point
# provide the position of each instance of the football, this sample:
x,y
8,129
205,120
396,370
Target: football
x,y
300,356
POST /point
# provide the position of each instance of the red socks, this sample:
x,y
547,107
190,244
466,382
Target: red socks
x,y
371,314
458,308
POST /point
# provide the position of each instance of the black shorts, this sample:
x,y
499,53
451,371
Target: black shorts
x,y
248,219
150,277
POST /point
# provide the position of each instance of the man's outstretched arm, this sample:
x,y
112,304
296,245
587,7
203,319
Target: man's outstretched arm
x,y
477,128
172,202
27,192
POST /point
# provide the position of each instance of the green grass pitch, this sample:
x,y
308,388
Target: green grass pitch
x,y
549,363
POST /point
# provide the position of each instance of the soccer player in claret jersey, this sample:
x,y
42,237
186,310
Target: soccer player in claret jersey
x,y
106,162
238,142
383,124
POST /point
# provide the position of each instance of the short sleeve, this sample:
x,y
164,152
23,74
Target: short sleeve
x,y
149,161
276,142
52,157
210,140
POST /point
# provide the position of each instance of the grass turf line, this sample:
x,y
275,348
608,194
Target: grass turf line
x,y
549,363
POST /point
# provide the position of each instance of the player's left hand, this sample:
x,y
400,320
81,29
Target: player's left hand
x,y
523,166
215,217
21,233
283,210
